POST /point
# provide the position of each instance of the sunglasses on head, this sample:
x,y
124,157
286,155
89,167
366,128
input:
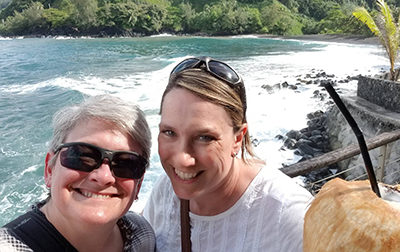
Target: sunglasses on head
x,y
87,157
218,69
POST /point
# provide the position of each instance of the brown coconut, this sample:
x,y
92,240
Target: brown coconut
x,y
348,216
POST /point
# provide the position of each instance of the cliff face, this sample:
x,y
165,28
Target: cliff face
x,y
372,119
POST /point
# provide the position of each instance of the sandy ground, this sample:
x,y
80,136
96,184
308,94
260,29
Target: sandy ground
x,y
350,39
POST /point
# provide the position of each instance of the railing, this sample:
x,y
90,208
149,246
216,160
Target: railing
x,y
338,155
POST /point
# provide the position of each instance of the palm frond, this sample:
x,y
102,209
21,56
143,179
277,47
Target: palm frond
x,y
385,11
363,15
391,32
384,27
387,16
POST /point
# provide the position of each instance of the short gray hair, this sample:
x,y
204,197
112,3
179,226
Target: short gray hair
x,y
127,116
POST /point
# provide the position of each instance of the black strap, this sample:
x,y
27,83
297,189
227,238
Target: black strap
x,y
185,226
38,233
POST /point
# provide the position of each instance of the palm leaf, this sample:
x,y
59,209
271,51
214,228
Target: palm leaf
x,y
363,15
390,29
385,10
384,27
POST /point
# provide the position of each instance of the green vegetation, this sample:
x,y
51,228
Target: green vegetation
x,y
385,27
208,17
4,3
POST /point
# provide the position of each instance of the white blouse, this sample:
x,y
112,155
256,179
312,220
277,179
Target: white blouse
x,y
268,217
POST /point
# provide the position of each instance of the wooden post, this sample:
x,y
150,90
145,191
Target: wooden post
x,y
380,171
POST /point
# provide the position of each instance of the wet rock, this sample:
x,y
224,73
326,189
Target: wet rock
x,y
290,143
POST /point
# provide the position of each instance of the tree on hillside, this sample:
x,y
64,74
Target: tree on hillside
x,y
278,19
84,13
290,4
15,5
121,15
385,27
179,18
4,3
26,21
151,18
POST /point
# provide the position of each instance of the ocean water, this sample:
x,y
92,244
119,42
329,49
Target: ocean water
x,y
39,76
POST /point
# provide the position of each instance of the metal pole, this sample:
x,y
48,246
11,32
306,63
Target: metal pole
x,y
359,136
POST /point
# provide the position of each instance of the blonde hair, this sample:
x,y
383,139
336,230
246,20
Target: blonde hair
x,y
206,86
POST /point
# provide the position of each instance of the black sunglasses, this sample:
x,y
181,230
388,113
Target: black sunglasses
x,y
218,69
87,157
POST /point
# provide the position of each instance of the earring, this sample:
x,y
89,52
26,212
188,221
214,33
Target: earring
x,y
233,154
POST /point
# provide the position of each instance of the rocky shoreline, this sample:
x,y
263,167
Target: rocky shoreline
x,y
313,140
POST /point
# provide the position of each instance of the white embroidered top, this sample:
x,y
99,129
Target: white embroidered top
x,y
268,217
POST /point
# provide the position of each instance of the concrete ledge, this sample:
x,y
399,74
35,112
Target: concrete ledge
x,y
373,112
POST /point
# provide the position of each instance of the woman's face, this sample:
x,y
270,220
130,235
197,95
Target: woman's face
x,y
95,197
195,143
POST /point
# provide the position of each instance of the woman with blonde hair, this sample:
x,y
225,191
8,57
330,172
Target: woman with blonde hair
x,y
236,203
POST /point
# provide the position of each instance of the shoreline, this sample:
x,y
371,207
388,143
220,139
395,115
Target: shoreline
x,y
348,39
336,38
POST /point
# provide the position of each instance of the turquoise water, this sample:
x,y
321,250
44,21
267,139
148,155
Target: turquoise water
x,y
39,76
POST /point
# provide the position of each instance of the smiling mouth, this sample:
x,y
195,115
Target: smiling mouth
x,y
184,175
94,195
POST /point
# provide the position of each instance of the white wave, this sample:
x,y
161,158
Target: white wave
x,y
30,169
5,203
24,88
176,60
275,114
8,153
245,36
162,35
339,59
62,37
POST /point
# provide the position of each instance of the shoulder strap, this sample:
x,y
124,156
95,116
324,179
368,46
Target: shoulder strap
x,y
185,226
38,233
